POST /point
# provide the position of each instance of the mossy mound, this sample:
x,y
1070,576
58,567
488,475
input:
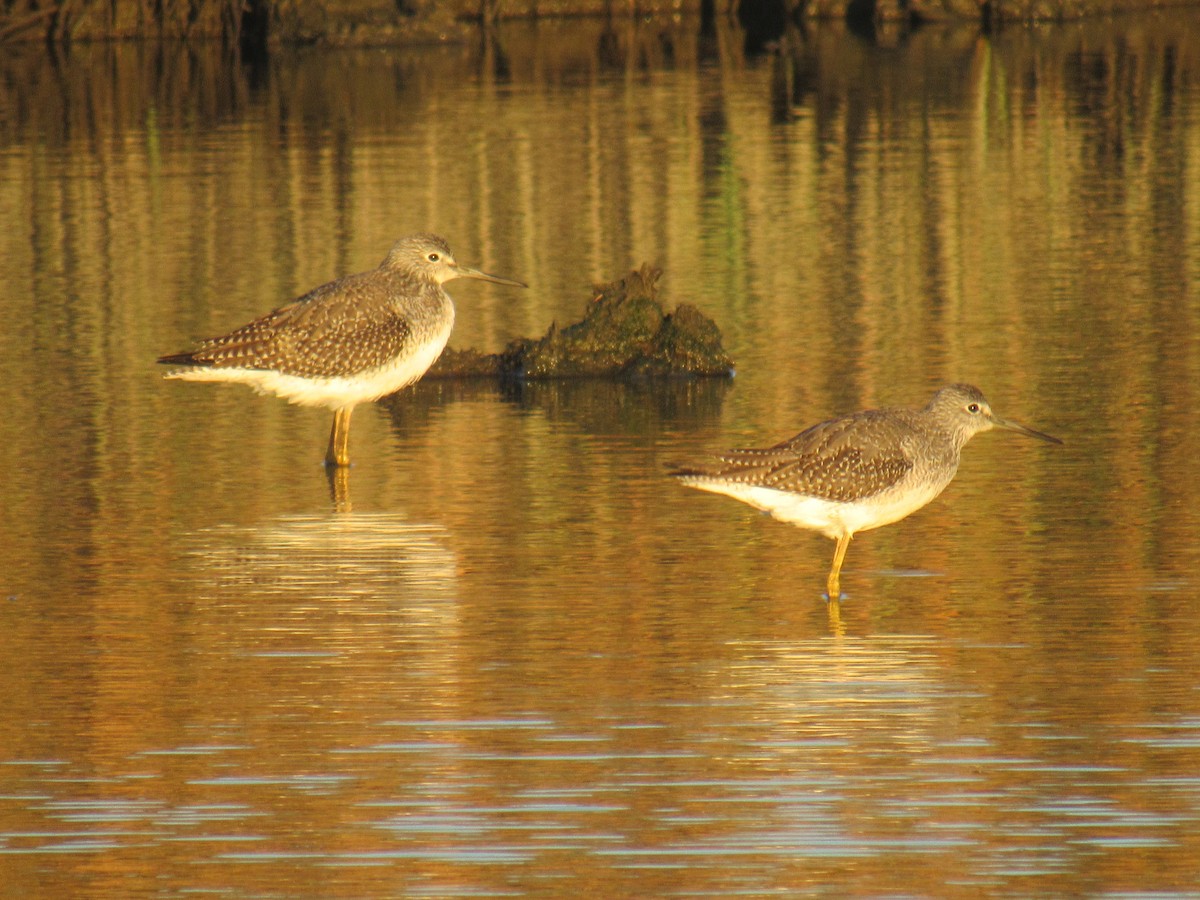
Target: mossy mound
x,y
625,333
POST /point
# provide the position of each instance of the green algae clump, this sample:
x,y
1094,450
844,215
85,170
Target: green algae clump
x,y
625,333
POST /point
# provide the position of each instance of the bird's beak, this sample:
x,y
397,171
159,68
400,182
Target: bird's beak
x,y
468,272
1010,425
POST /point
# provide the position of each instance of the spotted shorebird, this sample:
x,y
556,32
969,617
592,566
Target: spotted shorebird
x,y
859,471
356,339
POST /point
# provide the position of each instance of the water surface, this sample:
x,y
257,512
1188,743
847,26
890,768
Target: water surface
x,y
506,656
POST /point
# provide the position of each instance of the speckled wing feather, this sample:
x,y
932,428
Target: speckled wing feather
x,y
843,459
333,330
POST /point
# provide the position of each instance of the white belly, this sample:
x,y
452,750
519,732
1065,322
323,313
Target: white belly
x,y
335,392
829,517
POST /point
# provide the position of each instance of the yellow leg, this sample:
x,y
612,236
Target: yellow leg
x,y
834,584
338,453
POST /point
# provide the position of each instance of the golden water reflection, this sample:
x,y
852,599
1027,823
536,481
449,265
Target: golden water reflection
x,y
506,654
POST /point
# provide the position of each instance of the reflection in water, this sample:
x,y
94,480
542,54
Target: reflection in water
x,y
339,488
376,555
638,407
577,681
335,585
828,727
844,692
836,627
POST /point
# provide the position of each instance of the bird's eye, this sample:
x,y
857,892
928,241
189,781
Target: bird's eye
x,y
973,408
434,256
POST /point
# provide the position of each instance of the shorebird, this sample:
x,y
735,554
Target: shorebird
x,y
857,472
355,339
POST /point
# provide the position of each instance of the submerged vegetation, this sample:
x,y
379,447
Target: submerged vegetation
x,y
625,333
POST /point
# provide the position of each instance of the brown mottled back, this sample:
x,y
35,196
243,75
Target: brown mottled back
x,y
842,460
337,329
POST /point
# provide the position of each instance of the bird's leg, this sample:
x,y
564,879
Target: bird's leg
x,y
338,453
834,584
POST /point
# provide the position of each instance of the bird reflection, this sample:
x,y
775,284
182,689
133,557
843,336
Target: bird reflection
x,y
339,488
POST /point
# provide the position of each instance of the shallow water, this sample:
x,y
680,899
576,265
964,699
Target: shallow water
x,y
505,655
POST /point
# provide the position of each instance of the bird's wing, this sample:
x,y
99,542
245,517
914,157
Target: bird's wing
x,y
842,460
324,333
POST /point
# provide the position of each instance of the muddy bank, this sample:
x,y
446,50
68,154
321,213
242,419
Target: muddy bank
x,y
625,333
